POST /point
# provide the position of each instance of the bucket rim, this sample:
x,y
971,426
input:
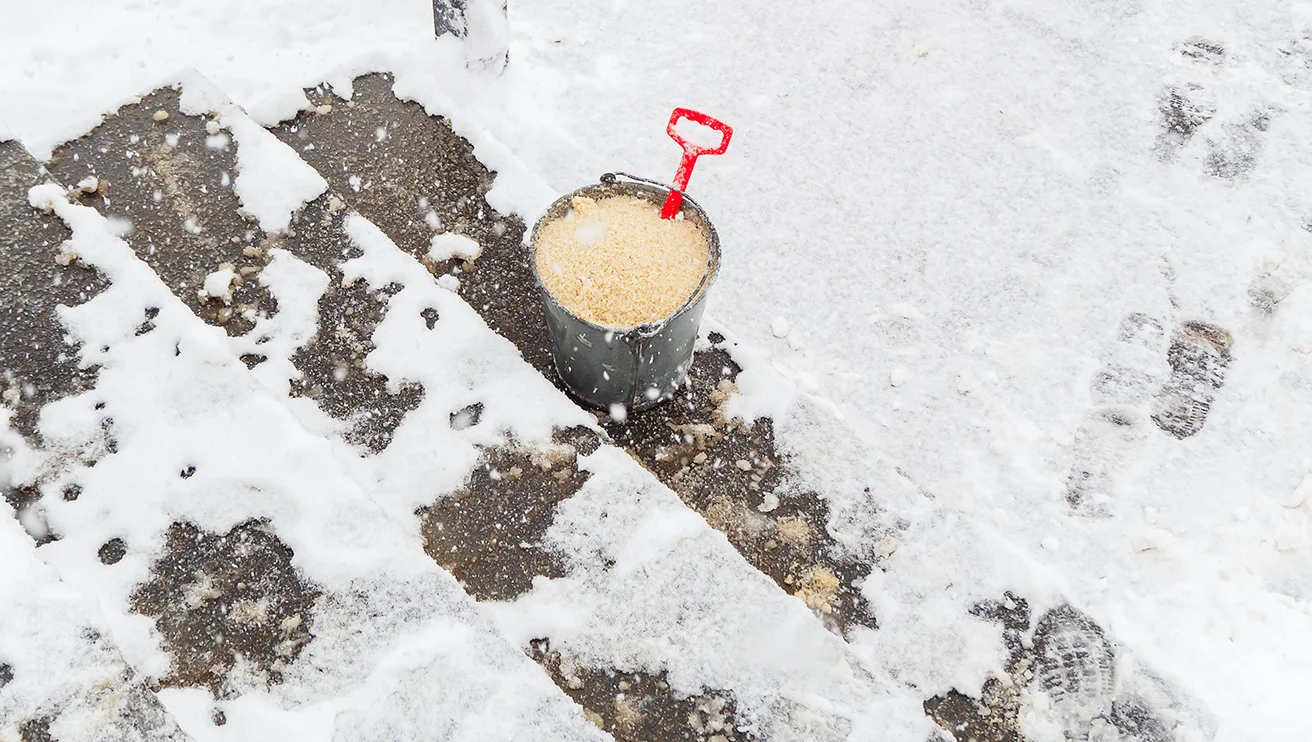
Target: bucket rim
x,y
646,329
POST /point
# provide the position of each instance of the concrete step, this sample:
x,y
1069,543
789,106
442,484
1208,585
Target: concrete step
x,y
533,508
703,689
38,366
414,177
419,178
58,670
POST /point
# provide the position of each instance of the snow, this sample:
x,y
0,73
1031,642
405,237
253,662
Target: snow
x,y
898,376
698,134
448,245
618,412
779,327
297,286
218,285
272,180
954,206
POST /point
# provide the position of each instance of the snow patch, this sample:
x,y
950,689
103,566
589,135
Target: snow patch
x,y
273,182
450,245
218,285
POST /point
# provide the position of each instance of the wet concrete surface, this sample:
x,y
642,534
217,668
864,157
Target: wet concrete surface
x,y
638,706
227,602
37,363
489,533
167,185
414,177
333,363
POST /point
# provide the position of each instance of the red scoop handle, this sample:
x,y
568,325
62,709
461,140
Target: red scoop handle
x,y
691,152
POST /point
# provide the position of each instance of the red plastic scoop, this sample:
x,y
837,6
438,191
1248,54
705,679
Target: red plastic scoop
x,y
691,151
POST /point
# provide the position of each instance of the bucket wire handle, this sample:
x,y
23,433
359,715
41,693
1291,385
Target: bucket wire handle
x,y
610,179
691,151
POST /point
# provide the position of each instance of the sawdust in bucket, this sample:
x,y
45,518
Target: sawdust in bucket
x,y
614,262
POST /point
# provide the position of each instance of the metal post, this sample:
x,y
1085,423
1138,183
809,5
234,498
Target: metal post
x,y
483,25
449,18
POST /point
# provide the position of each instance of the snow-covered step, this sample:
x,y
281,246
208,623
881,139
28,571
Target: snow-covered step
x,y
36,366
478,398
60,675
210,201
413,176
241,564
778,472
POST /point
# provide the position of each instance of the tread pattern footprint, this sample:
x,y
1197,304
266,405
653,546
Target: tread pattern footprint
x,y
1103,444
1230,131
1110,432
1067,661
1198,357
1074,664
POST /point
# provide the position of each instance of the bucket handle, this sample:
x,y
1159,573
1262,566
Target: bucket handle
x,y
610,179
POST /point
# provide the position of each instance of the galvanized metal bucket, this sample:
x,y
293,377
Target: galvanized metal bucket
x,y
636,368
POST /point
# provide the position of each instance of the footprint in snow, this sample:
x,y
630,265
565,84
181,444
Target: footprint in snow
x,y
1199,356
1127,393
1063,677
1103,447
1113,429
1231,143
